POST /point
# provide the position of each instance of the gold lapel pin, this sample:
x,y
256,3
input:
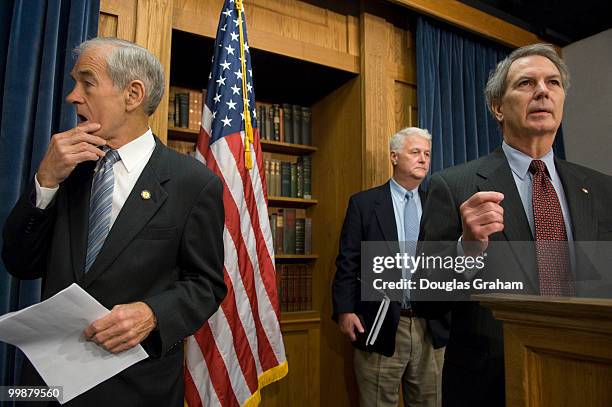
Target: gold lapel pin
x,y
586,191
145,194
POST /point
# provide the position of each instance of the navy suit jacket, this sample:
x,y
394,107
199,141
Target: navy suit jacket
x,y
370,217
166,251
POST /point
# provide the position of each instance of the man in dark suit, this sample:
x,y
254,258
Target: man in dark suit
x,y
518,193
403,352
136,225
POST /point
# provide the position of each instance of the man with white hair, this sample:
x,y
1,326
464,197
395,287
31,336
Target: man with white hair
x,y
135,224
403,352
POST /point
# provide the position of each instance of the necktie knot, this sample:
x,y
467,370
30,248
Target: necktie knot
x,y
537,166
111,157
409,195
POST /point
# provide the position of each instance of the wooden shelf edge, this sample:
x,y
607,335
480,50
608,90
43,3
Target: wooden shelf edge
x,y
300,317
281,201
286,148
289,257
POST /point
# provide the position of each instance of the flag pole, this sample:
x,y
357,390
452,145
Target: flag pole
x,y
248,127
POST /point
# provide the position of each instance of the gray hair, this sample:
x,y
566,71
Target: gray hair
x,y
126,62
497,83
397,140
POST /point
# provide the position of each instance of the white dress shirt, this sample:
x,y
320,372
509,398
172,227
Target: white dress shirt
x,y
134,156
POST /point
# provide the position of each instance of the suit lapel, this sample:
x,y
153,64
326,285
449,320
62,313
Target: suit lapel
x,y
584,223
496,175
385,214
135,214
78,207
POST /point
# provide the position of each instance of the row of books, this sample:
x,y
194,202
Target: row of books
x,y
286,123
185,108
294,283
290,234
289,179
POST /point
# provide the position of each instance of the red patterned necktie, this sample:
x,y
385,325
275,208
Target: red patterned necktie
x,y
551,238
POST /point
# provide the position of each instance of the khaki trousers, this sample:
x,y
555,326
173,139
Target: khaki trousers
x,y
415,364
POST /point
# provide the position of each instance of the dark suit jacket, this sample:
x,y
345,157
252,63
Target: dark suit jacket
x,y
473,370
166,251
370,217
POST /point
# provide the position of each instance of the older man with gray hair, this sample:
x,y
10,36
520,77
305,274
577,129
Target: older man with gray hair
x,y
520,192
135,224
403,352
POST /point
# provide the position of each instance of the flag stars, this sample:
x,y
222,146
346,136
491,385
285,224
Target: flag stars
x,y
249,87
227,12
231,104
225,65
224,27
214,114
230,50
217,98
226,121
238,74
236,22
246,46
250,73
234,36
220,81
235,90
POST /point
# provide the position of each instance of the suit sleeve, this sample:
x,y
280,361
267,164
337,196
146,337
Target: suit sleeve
x,y
191,300
26,235
345,288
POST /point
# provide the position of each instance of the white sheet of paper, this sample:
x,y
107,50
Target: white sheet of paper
x,y
50,333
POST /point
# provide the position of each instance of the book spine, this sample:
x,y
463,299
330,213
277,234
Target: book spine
x,y
280,232
183,110
264,121
277,178
308,288
287,123
308,236
284,288
294,182
289,237
270,123
277,122
306,127
300,178
296,117
300,235
285,178
307,163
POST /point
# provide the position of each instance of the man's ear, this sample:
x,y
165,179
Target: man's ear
x,y
497,109
393,157
134,95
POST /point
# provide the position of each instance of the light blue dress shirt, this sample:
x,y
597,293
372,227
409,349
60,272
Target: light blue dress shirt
x,y
398,196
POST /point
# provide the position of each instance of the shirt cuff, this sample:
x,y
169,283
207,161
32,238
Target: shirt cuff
x,y
469,273
44,196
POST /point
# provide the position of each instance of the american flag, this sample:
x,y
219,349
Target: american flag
x,y
240,348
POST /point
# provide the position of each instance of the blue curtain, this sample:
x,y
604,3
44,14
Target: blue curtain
x,y
452,71
36,39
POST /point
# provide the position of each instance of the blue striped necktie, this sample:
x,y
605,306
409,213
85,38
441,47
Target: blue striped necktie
x,y
100,206
411,235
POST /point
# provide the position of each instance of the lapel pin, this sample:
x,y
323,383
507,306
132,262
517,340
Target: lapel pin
x,y
145,194
586,191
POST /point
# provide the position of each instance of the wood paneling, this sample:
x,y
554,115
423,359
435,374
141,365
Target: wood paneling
x,y
118,19
337,169
300,386
288,27
154,32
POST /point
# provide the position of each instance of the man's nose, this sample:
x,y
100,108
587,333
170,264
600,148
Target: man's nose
x,y
541,90
73,96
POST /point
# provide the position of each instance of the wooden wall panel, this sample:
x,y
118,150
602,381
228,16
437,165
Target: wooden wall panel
x,y
118,19
389,92
337,169
154,32
287,27
301,385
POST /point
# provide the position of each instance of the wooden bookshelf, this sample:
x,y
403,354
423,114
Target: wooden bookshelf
x,y
182,134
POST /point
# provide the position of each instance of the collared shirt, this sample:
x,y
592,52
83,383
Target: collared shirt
x,y
134,156
519,164
398,196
